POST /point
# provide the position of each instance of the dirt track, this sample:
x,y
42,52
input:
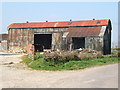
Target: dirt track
x,y
16,75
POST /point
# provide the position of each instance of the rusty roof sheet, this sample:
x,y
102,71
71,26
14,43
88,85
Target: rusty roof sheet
x,y
60,24
84,31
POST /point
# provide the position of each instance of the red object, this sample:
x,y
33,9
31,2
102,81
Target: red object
x,y
60,24
84,31
30,49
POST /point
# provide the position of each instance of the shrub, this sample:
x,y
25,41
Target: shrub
x,y
87,56
57,57
111,55
38,56
41,64
25,59
115,51
83,56
67,56
99,54
61,57
115,48
114,55
52,58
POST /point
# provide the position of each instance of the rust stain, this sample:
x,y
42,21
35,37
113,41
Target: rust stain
x,y
83,31
59,24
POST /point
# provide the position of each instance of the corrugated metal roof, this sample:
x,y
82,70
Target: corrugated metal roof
x,y
84,31
59,24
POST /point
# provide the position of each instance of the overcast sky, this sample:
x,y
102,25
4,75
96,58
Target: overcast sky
x,y
16,12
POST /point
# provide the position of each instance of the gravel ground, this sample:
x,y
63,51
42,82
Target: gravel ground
x,y
17,75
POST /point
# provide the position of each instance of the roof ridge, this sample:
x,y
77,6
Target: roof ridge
x,y
64,21
60,24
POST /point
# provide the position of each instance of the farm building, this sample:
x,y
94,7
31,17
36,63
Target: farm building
x,y
3,42
65,35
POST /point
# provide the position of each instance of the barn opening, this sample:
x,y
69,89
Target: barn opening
x,y
42,41
78,42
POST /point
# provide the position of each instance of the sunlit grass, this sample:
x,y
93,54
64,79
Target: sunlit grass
x,y
41,64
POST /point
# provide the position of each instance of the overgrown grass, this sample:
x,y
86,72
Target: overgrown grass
x,y
114,52
41,64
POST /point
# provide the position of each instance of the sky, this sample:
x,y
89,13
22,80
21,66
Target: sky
x,y
19,12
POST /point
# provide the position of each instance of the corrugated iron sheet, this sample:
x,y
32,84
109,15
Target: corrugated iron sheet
x,y
84,31
59,24
3,37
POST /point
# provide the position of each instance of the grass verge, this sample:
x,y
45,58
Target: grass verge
x,y
41,64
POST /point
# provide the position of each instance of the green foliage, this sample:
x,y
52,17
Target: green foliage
x,y
88,63
56,64
115,48
114,52
26,60
85,56
62,57
70,56
38,56
111,55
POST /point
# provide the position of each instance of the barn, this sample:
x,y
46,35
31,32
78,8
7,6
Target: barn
x,y
62,35
3,42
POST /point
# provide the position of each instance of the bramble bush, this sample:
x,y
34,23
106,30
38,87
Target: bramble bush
x,y
61,57
69,60
70,56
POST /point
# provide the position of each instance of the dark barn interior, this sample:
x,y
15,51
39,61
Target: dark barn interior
x,y
78,42
42,41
